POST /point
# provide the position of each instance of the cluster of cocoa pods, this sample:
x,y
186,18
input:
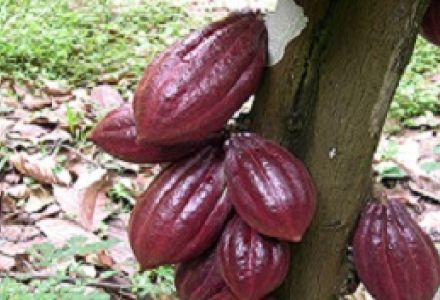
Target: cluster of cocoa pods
x,y
431,22
227,205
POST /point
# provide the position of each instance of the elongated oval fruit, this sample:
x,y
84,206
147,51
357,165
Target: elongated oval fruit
x,y
200,278
116,135
224,294
197,84
182,213
270,189
251,264
394,258
431,23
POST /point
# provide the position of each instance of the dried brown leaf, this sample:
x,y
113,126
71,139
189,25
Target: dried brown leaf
x,y
26,132
5,126
19,114
121,253
110,78
402,193
104,259
6,263
106,97
56,135
18,191
63,99
36,103
16,239
12,178
56,88
20,90
430,222
38,199
59,231
41,169
7,204
49,211
86,201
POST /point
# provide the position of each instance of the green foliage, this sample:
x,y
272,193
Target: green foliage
x,y
389,170
50,289
46,39
69,282
430,166
416,93
47,254
4,157
437,149
155,282
120,192
71,279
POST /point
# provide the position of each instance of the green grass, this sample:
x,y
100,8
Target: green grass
x,y
45,39
416,93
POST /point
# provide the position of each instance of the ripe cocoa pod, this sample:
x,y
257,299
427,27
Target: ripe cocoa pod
x,y
183,211
116,135
394,258
224,294
200,278
252,265
270,189
197,84
431,23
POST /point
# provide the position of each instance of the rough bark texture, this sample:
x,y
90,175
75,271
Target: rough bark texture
x,y
326,101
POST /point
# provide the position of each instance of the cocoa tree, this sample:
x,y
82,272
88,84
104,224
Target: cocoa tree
x,y
326,101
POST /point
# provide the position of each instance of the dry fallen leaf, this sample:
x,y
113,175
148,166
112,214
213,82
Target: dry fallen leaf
x,y
121,253
430,222
414,150
59,231
38,199
7,204
106,97
6,263
20,90
26,132
50,210
41,169
18,191
35,103
55,88
62,99
56,135
86,201
5,126
16,239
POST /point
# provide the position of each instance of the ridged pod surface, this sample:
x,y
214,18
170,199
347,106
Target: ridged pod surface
x,y
183,211
196,85
394,258
270,189
200,278
251,264
431,23
116,135
224,294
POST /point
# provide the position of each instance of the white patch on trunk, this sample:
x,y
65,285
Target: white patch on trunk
x,y
284,25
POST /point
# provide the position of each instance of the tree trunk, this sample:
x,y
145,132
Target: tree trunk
x,y
326,101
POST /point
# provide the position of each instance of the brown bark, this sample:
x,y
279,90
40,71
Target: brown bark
x,y
327,101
